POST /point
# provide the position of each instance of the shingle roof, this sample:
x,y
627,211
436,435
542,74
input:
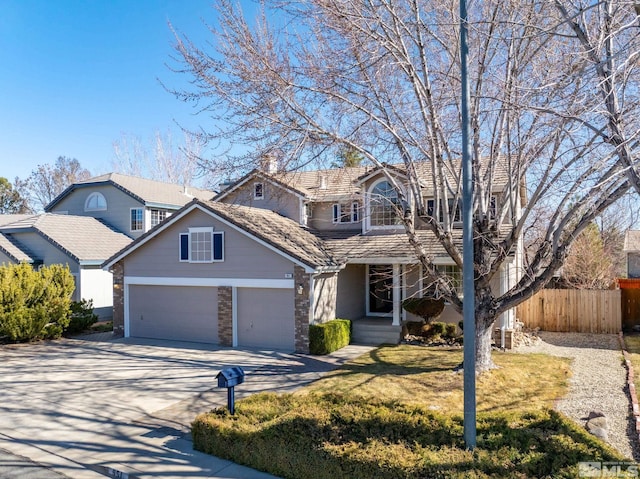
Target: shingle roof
x,y
145,190
283,233
84,238
13,250
6,219
631,241
348,246
335,183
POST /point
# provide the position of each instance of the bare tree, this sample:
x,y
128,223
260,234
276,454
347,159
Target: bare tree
x,y
554,109
160,159
48,181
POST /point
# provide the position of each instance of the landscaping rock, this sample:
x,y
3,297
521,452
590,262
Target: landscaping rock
x,y
597,424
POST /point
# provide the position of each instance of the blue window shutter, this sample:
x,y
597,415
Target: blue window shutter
x,y
184,247
218,246
336,213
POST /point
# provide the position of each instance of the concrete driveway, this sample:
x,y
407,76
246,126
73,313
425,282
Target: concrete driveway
x,y
95,409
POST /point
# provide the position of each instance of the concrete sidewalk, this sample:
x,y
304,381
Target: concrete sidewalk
x,y
65,424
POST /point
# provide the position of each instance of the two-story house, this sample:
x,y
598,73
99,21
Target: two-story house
x,y
274,252
86,224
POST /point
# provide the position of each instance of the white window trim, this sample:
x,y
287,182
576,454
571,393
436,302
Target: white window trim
x,y
255,192
130,220
200,229
96,194
367,208
354,217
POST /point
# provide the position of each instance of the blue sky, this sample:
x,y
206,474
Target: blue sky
x,y
77,75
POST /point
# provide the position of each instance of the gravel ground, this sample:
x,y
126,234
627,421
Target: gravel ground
x,y
598,382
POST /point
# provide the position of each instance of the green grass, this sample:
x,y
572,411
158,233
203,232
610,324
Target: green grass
x,y
396,413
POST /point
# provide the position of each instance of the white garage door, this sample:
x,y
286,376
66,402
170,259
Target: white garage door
x,y
180,313
266,318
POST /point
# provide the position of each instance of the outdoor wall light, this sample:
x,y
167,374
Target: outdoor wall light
x,y
300,289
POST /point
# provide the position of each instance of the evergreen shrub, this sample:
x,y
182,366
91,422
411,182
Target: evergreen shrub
x,y
330,336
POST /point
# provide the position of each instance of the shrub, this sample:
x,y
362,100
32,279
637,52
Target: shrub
x,y
34,304
427,308
333,436
82,316
330,336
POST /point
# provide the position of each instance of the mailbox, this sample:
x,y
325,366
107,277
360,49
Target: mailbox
x,y
229,377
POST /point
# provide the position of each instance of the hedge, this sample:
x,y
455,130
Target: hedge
x,y
327,337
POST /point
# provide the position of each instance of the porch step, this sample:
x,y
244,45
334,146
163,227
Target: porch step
x,y
374,332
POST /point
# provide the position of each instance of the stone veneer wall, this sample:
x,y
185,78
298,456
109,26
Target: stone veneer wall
x,y
118,299
302,304
225,315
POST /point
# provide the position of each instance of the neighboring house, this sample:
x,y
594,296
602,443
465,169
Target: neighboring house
x,y
81,243
89,222
275,252
632,253
129,204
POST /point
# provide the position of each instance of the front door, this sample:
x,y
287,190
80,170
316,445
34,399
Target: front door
x,y
380,289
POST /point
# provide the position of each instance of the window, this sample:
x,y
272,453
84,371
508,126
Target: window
x,y
346,212
202,245
157,217
457,214
308,210
384,205
454,274
258,191
136,219
95,202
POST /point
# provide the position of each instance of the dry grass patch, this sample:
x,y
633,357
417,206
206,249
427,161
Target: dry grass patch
x,y
422,375
632,342
397,413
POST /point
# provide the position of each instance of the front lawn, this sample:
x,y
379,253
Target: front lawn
x,y
397,413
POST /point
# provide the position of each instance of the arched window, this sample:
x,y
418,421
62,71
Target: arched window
x,y
384,205
95,202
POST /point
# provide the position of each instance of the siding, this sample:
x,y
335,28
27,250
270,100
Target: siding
x,y
322,217
117,214
45,251
350,302
324,298
275,199
244,257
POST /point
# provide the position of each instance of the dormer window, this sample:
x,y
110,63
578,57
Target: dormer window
x,y
346,212
258,191
384,206
95,202
457,214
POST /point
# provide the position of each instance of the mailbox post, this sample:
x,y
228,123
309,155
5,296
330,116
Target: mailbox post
x,y
229,378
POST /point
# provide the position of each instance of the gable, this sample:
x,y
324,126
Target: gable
x,y
243,256
277,233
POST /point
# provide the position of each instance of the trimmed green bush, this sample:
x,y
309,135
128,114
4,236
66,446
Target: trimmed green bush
x,y
82,316
330,336
34,304
427,308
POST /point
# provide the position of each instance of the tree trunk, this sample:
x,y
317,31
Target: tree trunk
x,y
483,346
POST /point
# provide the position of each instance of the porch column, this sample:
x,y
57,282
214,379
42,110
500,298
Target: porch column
x,y
397,303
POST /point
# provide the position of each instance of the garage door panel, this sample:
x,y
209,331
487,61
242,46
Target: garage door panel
x,y
178,313
265,318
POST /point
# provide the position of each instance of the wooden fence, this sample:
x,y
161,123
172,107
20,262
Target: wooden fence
x,y
573,310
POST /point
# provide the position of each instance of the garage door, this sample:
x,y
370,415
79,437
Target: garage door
x,y
180,313
265,318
